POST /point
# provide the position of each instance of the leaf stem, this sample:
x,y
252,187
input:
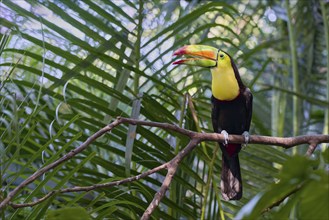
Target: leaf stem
x,y
294,62
326,32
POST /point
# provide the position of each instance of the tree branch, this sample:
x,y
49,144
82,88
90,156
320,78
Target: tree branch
x,y
285,142
311,149
66,157
92,187
171,166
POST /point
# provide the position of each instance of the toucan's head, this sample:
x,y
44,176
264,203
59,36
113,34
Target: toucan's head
x,y
203,56
226,82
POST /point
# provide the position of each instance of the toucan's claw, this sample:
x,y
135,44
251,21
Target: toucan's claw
x,y
223,132
246,138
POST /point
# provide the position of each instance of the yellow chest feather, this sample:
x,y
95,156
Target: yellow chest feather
x,y
224,85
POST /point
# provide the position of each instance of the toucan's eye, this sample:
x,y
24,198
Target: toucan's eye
x,y
221,56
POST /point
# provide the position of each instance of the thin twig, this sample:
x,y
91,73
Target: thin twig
x,y
311,149
66,157
92,187
277,203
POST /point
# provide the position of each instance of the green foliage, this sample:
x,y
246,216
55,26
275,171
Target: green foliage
x,y
301,192
72,213
69,67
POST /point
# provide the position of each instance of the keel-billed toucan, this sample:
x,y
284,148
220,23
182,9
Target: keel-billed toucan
x,y
231,109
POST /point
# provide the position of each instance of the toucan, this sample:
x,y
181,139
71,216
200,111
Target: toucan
x,y
231,109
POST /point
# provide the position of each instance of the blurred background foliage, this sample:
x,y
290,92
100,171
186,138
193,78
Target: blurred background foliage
x,y
69,67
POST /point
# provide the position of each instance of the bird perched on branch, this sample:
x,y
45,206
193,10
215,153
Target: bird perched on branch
x,y
231,109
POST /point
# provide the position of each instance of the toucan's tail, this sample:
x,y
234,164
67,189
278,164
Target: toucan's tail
x,y
231,182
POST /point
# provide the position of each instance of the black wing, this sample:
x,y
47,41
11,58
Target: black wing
x,y
215,114
248,97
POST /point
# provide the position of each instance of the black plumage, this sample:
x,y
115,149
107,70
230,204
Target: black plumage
x,y
234,117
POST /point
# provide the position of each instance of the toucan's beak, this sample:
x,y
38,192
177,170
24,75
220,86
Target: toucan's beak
x,y
197,55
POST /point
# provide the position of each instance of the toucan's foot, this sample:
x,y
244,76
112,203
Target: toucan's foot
x,y
223,132
246,138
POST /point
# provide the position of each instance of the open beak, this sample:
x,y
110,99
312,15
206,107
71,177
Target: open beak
x,y
197,55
